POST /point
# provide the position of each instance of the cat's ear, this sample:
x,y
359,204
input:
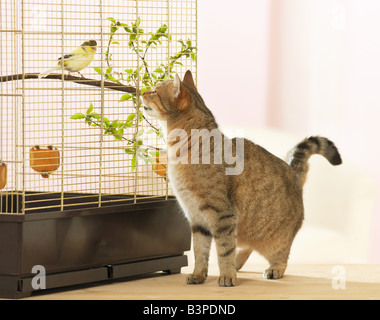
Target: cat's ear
x,y
181,94
177,86
188,79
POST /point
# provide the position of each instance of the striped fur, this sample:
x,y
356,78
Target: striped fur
x,y
301,153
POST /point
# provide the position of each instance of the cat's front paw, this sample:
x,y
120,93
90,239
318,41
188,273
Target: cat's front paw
x,y
195,278
226,281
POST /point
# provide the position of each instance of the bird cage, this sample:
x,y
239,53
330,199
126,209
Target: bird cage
x,y
83,188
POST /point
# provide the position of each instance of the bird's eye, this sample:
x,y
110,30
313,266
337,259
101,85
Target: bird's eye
x,y
154,91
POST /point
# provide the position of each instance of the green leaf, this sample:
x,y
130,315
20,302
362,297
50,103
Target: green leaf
x,y
114,123
145,89
98,70
119,134
78,116
106,121
95,115
112,20
89,110
88,120
159,70
161,132
128,124
139,134
130,151
148,160
131,117
154,153
133,162
125,97
109,77
161,31
112,79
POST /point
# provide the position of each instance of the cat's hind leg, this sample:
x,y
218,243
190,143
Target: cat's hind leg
x,y
278,263
275,271
242,255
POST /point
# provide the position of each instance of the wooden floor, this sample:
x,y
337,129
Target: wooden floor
x,y
300,282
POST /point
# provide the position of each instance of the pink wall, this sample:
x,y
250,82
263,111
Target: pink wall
x,y
233,49
303,66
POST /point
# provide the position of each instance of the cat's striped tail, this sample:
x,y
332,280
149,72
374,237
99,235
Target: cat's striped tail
x,y
300,154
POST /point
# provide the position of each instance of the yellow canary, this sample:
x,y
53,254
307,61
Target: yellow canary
x,y
76,60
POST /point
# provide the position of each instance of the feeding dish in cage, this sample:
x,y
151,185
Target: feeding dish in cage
x,y
3,175
161,163
44,160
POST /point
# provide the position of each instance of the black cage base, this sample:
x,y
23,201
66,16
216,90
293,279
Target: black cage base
x,y
91,244
13,287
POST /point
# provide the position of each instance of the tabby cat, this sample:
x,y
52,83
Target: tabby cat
x,y
260,208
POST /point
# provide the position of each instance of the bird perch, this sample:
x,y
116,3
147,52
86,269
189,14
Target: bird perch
x,y
79,80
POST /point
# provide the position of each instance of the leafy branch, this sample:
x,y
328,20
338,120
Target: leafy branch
x,y
140,43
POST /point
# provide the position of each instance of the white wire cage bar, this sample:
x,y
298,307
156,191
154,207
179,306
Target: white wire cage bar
x,y
71,140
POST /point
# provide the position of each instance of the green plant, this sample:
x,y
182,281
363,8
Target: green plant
x,y
143,79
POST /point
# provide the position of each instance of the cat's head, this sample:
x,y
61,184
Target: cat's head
x,y
170,97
